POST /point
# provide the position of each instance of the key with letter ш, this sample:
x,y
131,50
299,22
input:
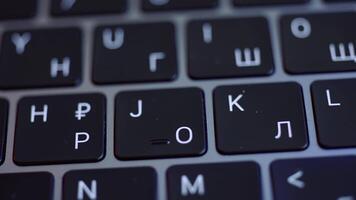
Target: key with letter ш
x,y
319,42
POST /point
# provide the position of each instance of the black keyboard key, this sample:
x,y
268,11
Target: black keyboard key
x,y
23,186
334,105
135,53
260,118
160,123
229,48
215,181
266,2
17,9
319,42
125,184
164,5
40,58
87,7
331,178
4,106
60,129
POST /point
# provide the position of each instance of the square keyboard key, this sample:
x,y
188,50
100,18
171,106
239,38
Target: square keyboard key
x,y
331,178
22,186
260,118
319,42
134,53
160,123
40,58
334,108
229,48
60,129
123,183
87,7
17,9
228,181
4,106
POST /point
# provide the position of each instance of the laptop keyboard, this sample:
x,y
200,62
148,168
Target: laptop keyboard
x,y
177,99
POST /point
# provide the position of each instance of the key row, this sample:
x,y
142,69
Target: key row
x,y
28,9
291,179
219,48
171,123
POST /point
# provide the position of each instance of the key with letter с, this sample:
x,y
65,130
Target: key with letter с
x,y
319,42
260,118
40,58
60,129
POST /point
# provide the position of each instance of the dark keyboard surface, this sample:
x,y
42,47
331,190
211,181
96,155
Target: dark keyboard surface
x,y
177,99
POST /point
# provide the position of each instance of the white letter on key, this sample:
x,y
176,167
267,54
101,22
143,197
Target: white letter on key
x,y
139,110
153,58
330,103
207,33
83,109
279,127
64,67
190,135
20,41
344,55
187,188
90,192
234,102
301,28
115,41
42,113
247,60
78,141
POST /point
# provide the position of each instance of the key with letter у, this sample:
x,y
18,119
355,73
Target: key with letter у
x,y
60,129
40,58
260,118
319,42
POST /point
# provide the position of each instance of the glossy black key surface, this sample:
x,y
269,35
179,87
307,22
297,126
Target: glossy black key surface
x,y
40,58
226,181
24,186
161,5
160,123
331,178
319,42
87,7
229,48
123,184
260,118
266,2
135,53
60,129
4,106
334,106
17,9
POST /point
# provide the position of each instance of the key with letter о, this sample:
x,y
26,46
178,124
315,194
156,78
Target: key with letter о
x,y
60,129
228,181
160,123
40,58
260,118
319,42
